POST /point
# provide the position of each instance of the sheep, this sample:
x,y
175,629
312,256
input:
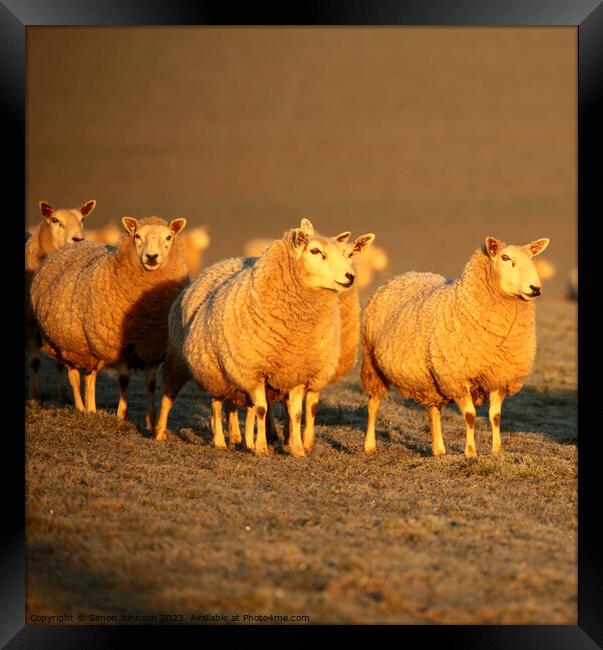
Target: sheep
x,y
195,241
270,325
572,284
57,228
436,342
349,305
255,247
101,306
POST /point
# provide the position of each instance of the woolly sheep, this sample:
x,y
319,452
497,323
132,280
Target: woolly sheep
x,y
349,305
438,342
101,306
195,241
272,325
57,228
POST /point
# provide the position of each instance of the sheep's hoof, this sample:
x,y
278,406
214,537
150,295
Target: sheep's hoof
x,y
470,451
161,437
298,452
497,450
309,446
439,452
370,450
261,451
150,425
235,441
220,445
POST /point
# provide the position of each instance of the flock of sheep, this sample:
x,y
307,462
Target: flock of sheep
x,y
279,324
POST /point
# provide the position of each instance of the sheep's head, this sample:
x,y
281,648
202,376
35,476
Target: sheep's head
x,y
351,249
153,239
65,226
513,267
320,260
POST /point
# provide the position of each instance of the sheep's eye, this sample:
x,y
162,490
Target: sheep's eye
x,y
54,220
136,236
505,258
168,238
315,251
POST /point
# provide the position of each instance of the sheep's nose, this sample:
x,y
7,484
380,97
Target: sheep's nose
x,y
152,258
76,239
350,277
535,290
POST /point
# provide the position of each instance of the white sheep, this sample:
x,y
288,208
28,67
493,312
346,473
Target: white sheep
x,y
273,325
57,228
195,241
545,268
438,342
99,306
109,233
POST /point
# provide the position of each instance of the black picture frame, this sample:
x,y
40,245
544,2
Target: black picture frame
x,y
587,17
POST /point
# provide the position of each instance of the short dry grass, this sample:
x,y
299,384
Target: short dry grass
x,y
117,523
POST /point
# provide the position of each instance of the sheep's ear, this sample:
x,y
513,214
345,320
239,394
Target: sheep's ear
x,y
493,245
342,237
87,207
307,227
130,224
46,210
536,247
298,240
360,243
176,225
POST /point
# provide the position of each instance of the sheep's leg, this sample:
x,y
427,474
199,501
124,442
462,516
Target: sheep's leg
x,y
216,424
496,399
234,430
435,425
174,374
261,405
249,428
465,404
33,355
150,380
294,407
74,379
90,391
370,444
123,375
311,407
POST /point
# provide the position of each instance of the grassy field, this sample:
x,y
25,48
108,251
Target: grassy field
x,y
118,524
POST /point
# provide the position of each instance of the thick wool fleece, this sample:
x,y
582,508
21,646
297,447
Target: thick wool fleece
x,y
349,305
261,324
428,338
97,305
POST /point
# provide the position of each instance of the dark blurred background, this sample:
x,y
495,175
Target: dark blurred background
x,y
432,138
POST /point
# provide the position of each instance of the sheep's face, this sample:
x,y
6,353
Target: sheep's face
x,y
321,263
153,242
65,226
363,264
514,269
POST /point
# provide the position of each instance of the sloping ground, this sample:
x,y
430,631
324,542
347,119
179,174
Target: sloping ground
x,y
118,524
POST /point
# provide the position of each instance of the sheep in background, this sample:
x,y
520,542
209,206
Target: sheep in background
x,y
195,241
101,306
109,233
572,284
545,268
271,326
58,228
437,342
